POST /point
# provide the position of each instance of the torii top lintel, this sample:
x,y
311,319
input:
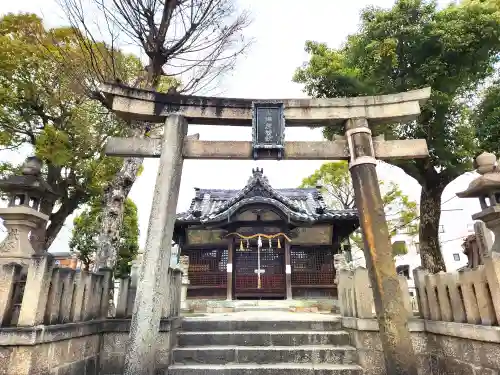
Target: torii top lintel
x,y
144,105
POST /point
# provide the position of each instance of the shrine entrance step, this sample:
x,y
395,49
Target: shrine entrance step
x,y
223,306
259,343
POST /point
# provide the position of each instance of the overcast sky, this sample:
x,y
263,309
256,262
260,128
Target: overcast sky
x,y
280,29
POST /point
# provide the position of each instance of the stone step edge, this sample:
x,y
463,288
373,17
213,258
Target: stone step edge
x,y
229,322
278,347
283,366
211,318
204,333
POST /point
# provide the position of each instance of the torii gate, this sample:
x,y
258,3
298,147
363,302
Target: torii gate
x,y
268,120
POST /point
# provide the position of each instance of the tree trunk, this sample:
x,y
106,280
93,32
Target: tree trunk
x,y
430,213
118,189
112,215
112,218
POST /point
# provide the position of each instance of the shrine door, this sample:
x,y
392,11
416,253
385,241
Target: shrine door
x,y
272,272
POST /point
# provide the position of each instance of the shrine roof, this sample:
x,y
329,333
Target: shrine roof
x,y
299,204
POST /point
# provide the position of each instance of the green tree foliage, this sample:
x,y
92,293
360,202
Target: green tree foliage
x,y
399,248
86,231
486,119
44,104
336,187
413,45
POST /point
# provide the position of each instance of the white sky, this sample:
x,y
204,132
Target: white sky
x,y
280,29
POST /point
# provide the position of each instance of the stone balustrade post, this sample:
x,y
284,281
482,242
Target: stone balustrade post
x,y
363,294
178,290
403,282
121,306
134,280
54,297
184,265
36,290
492,271
106,284
68,280
8,275
78,300
423,302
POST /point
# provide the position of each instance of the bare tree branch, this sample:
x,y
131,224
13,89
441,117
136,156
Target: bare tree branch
x,y
196,41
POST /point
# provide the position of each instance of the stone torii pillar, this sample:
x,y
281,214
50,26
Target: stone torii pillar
x,y
391,312
145,324
357,114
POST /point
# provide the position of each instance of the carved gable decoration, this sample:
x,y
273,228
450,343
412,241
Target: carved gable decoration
x,y
258,190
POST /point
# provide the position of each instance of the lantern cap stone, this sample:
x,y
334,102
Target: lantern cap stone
x,y
29,181
489,181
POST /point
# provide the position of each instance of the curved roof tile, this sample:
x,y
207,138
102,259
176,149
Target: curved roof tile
x,y
300,204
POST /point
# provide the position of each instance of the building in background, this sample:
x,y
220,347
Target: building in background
x,y
261,242
67,260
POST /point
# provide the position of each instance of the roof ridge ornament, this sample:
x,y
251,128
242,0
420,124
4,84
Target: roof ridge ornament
x,y
257,174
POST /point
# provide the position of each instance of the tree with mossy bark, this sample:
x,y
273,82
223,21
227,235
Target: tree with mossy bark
x,y
413,45
85,236
193,42
45,109
335,185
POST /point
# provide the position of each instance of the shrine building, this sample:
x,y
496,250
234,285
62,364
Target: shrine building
x,y
262,243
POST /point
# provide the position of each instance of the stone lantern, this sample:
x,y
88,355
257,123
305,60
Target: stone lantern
x,y
487,189
25,193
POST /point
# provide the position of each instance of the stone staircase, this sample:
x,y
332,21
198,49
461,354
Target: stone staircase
x,y
260,344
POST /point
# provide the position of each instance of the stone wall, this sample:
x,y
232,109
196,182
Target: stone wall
x,y
114,345
442,348
84,348
454,330
53,350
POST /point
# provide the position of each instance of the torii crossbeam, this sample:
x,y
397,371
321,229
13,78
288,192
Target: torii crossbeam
x,y
358,146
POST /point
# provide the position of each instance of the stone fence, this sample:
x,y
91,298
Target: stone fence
x,y
170,306
55,320
35,292
356,296
454,330
469,296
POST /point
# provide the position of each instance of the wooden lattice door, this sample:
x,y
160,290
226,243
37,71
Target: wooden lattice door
x,y
272,262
